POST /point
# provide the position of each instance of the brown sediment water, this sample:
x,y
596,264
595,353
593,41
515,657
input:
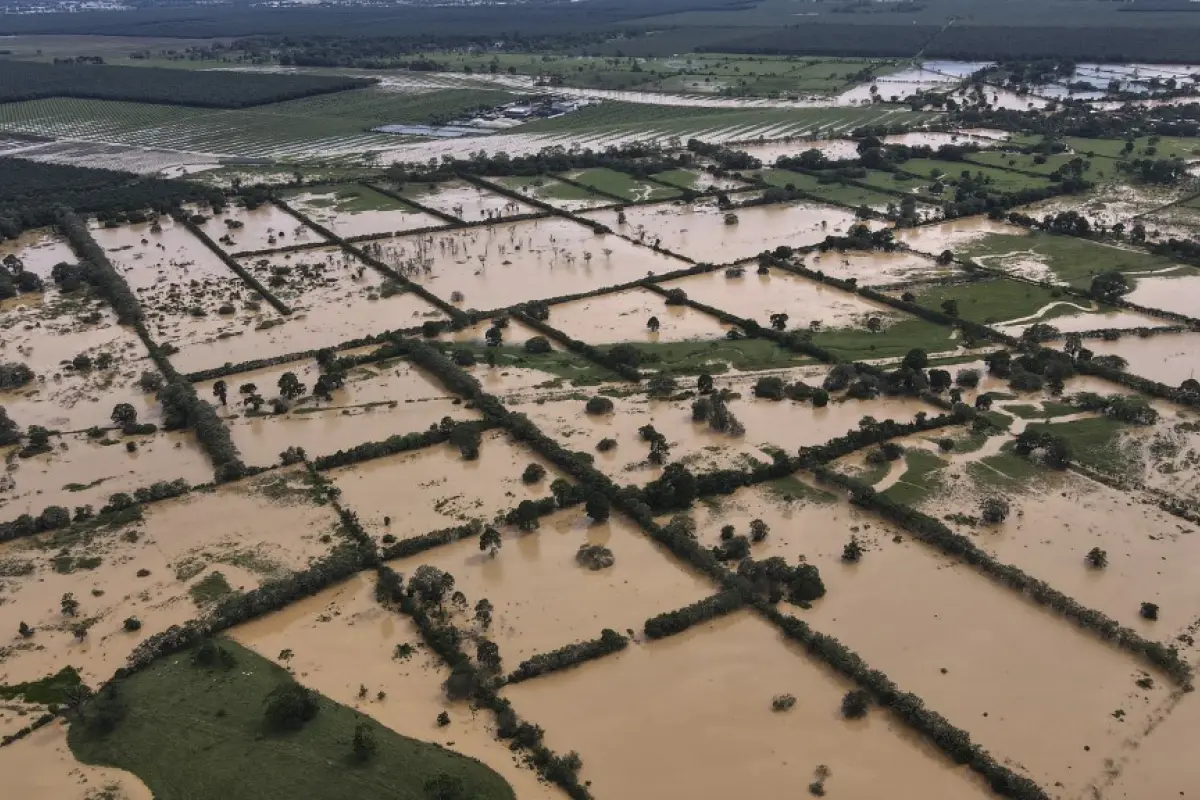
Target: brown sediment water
x,y
690,716
878,267
1170,293
39,250
341,640
756,297
544,599
468,202
1085,317
691,443
769,152
1053,526
80,471
704,232
954,234
41,766
257,529
1167,358
262,228
322,205
509,262
1161,760
623,317
436,488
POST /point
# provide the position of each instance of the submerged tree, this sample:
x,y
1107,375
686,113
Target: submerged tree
x,y
490,541
1097,558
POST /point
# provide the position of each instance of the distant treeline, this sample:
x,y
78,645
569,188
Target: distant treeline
x,y
29,80
30,193
970,42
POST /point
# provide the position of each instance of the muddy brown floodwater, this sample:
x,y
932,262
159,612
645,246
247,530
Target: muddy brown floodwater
x,y
703,232
705,730
326,206
41,766
623,317
341,639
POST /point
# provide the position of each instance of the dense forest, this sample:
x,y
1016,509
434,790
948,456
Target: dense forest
x,y
30,192
27,80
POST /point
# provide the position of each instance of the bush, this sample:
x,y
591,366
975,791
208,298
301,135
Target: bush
x,y
1149,611
609,642
604,445
599,405
1097,558
855,703
289,706
770,388
594,557
132,624
994,510
538,345
533,473
783,702
598,507
14,375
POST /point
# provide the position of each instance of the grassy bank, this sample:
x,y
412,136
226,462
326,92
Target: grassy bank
x,y
193,732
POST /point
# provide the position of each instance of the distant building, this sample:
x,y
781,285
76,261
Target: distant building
x,y
518,112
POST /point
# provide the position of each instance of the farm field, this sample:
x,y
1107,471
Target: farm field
x,y
565,447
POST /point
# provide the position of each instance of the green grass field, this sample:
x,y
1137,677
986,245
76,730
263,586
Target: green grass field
x,y
894,341
1095,443
920,478
717,355
546,188
623,186
1001,180
1167,147
192,732
1027,163
843,193
349,198
992,301
1074,261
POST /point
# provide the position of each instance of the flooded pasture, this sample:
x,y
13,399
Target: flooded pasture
x,y
415,493
706,233
466,201
41,765
1166,358
341,640
240,229
954,234
553,192
355,210
503,264
753,296
705,728
624,317
544,599
878,268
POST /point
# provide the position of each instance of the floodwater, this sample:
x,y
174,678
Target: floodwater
x,y
435,488
705,729
39,250
325,206
1167,358
701,232
41,765
1164,763
622,317
691,443
467,201
756,297
769,152
235,529
1084,320
31,484
507,263
953,234
1151,554
377,401
990,661
545,600
1180,294
341,639
263,228
876,268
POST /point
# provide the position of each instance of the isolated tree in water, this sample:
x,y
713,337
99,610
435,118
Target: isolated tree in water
x,y
483,613
490,541
653,324
494,337
290,386
221,392
124,415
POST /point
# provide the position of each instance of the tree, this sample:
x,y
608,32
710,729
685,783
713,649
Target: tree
x,y
69,605
915,359
533,473
289,706
490,541
855,703
124,415
653,324
597,507
1073,344
220,391
39,437
1109,286
445,787
525,516
994,510
483,613
363,746
779,321
494,336
1097,558
599,405
704,383
944,258
939,380
488,655
24,630
853,551
769,387
290,386
758,530
538,345
1149,611
874,324
950,307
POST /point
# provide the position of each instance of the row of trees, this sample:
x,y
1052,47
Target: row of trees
x,y
569,656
